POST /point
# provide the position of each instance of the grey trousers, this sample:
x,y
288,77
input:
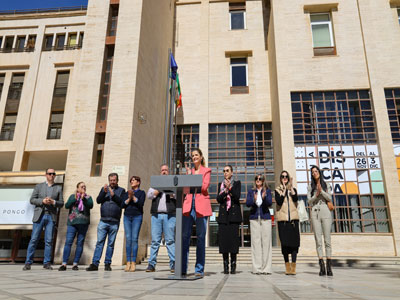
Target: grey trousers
x,y
321,220
261,246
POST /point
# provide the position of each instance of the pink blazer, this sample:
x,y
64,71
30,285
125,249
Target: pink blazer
x,y
202,201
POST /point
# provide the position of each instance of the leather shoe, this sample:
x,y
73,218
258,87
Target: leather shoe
x,y
62,268
27,267
92,267
107,267
75,268
47,266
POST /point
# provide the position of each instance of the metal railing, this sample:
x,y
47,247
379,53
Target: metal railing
x,y
43,10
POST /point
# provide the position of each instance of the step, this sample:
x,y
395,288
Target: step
x,y
244,257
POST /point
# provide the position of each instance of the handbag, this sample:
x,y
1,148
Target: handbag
x,y
330,205
301,209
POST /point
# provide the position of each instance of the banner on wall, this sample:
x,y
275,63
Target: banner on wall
x,y
15,207
350,169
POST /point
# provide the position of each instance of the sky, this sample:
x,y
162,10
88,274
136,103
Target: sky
x,y
30,4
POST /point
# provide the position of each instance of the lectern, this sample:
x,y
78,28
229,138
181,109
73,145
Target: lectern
x,y
179,185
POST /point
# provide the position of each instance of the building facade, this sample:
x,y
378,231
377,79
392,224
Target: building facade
x,y
267,85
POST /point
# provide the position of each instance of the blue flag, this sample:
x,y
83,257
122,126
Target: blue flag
x,y
174,67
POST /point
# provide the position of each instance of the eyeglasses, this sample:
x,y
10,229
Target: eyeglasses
x,y
284,176
51,174
226,170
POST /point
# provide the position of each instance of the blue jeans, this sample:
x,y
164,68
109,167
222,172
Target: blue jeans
x,y
47,223
104,229
201,228
132,226
78,230
162,223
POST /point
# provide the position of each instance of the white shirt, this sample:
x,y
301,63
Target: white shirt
x,y
259,198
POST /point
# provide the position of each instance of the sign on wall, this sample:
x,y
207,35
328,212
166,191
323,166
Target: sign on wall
x,y
15,207
350,169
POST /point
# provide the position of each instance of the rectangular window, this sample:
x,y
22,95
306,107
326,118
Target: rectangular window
x,y
80,39
8,128
30,46
60,41
322,34
15,90
48,42
1,42
20,43
239,76
248,147
335,130
2,76
8,44
98,153
113,21
58,105
398,14
237,15
72,39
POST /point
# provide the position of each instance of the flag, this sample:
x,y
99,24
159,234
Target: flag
x,y
174,67
178,94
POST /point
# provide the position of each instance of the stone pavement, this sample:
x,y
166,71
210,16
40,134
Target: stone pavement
x,y
347,283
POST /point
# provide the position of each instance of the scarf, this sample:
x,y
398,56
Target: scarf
x,y
80,201
228,197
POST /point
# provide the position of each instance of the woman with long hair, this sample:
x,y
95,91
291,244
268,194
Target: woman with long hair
x,y
319,194
79,205
229,218
288,220
259,199
196,209
133,218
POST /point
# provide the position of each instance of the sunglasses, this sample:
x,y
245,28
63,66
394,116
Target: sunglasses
x,y
259,178
226,170
284,176
54,174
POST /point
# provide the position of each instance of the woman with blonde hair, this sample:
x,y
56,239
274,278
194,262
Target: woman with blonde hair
x,y
288,220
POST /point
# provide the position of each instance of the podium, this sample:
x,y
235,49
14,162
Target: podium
x,y
178,185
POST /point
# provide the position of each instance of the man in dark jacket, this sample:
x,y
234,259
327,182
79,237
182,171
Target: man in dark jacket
x,y
111,198
163,208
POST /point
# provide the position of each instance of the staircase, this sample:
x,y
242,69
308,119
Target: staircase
x,y
244,258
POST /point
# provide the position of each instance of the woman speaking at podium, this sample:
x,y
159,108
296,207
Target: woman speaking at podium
x,y
196,209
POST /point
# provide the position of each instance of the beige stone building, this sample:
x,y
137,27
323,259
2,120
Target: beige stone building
x,y
267,85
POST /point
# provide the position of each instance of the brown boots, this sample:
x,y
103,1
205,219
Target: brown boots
x,y
130,267
290,268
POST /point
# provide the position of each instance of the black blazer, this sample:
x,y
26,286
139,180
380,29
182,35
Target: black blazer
x,y
234,215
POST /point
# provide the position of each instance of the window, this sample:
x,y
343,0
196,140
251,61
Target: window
x,y
58,105
55,126
48,42
2,76
98,154
20,43
322,34
15,90
31,42
335,130
237,15
72,40
1,42
8,44
239,83
398,14
248,147
60,41
8,128
113,21
80,39
187,138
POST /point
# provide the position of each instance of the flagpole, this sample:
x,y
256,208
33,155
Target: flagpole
x,y
166,123
171,118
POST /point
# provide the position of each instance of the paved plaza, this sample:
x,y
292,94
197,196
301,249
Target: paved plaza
x,y
347,283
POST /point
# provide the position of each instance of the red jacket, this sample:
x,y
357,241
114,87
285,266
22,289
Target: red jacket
x,y
202,201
